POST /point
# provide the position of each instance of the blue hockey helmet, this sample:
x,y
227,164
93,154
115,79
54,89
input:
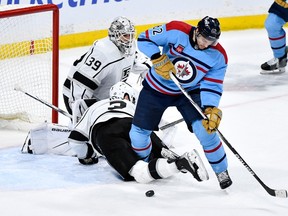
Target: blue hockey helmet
x,y
209,28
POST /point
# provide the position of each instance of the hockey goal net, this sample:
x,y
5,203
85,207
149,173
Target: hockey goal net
x,y
29,59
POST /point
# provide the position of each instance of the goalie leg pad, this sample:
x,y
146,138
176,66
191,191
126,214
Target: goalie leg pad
x,y
48,138
144,172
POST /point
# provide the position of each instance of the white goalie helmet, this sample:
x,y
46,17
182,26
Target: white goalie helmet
x,y
122,89
122,33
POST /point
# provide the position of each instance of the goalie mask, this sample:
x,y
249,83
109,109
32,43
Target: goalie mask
x,y
120,90
122,34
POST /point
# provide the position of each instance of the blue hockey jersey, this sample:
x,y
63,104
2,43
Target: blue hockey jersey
x,y
205,70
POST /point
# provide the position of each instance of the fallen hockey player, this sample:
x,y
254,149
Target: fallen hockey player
x,y
104,128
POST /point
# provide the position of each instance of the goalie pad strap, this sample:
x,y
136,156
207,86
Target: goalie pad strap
x,y
153,170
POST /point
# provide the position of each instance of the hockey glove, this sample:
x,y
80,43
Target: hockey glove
x,y
91,157
212,122
163,66
89,161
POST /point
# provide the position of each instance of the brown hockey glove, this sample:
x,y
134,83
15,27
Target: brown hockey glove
x,y
163,66
212,122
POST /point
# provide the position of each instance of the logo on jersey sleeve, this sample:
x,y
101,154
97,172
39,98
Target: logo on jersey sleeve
x,y
185,73
179,48
125,73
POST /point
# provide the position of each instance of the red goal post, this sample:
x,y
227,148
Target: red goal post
x,y
31,54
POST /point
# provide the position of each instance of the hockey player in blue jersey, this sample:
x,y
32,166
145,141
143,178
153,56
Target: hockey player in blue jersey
x,y
277,18
170,46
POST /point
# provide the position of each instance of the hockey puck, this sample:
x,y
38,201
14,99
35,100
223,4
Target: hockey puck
x,y
149,193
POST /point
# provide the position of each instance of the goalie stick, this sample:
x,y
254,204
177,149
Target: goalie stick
x,y
18,88
276,193
171,124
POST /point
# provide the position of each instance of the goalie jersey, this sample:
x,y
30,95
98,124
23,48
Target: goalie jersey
x,y
100,112
102,66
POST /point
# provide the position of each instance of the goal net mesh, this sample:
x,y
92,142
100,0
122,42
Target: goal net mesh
x,y
26,62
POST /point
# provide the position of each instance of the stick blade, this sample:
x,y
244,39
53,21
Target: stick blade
x,y
281,193
17,87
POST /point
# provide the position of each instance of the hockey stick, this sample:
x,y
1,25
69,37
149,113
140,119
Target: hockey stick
x,y
18,88
171,124
277,193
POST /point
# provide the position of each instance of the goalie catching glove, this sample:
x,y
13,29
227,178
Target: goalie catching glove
x,y
212,122
163,66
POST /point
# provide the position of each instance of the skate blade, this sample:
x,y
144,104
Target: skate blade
x,y
278,71
203,174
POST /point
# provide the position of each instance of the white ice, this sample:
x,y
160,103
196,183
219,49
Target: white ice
x,y
254,122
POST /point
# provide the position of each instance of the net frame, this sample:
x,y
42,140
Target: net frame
x,y
55,44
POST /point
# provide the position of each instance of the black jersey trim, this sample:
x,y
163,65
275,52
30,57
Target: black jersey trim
x,y
85,80
67,83
108,65
78,136
219,161
191,57
152,166
210,90
145,40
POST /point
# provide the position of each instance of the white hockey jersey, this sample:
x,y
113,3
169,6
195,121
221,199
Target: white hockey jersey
x,y
99,112
49,138
102,66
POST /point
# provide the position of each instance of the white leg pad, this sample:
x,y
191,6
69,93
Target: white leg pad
x,y
165,169
140,171
50,138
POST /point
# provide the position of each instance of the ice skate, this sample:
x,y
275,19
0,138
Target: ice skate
x,y
191,162
224,179
274,66
168,154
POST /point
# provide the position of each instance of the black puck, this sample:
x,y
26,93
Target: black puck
x,y
150,193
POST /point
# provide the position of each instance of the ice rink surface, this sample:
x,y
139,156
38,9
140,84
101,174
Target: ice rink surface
x,y
254,121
